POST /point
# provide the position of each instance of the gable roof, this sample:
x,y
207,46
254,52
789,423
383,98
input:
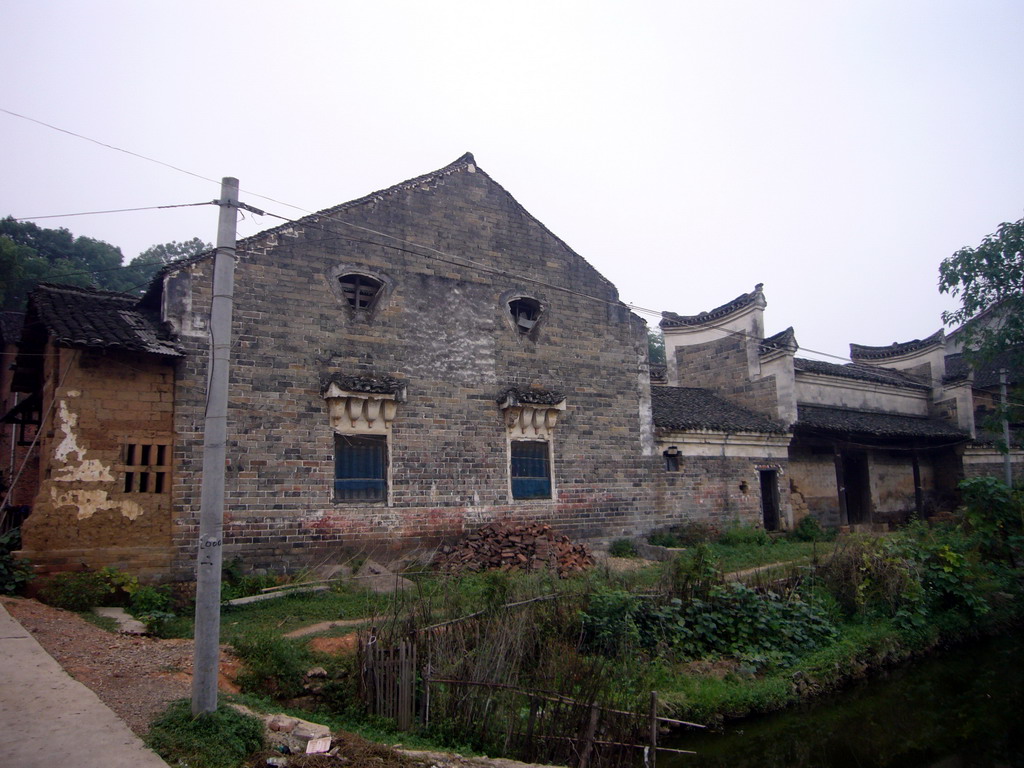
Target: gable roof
x,y
849,422
94,319
464,164
686,408
869,373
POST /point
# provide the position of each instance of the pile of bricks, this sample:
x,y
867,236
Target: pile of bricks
x,y
511,547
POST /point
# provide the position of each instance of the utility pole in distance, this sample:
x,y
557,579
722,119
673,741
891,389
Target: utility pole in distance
x,y
209,553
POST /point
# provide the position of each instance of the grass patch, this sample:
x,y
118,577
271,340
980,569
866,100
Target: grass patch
x,y
221,739
739,557
103,622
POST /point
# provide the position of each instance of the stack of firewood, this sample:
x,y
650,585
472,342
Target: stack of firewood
x,y
514,546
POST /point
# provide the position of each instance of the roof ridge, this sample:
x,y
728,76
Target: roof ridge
x,y
464,162
897,348
744,300
85,291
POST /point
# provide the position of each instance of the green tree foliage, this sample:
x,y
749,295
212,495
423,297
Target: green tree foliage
x,y
144,266
989,279
655,347
30,254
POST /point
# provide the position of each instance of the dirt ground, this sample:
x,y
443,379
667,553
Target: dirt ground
x,y
137,677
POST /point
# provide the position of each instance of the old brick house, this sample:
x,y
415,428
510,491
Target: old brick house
x,y
93,432
870,442
405,366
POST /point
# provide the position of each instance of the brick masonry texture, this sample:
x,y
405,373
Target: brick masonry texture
x,y
443,331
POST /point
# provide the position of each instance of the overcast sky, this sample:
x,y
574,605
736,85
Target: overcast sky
x,y
835,151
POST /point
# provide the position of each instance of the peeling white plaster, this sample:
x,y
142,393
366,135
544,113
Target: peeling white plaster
x,y
89,502
88,470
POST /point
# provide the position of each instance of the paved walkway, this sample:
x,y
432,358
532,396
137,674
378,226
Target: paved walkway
x,y
49,719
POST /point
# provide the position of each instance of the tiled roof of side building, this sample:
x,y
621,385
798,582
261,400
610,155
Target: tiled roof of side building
x,y
847,421
672,320
94,319
896,349
687,408
869,373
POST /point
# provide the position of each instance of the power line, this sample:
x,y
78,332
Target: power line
x,y
448,258
109,146
112,210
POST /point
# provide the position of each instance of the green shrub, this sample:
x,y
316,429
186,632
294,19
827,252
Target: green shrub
x,y
82,590
663,539
224,738
151,606
274,666
622,548
15,573
809,529
742,534
76,591
693,573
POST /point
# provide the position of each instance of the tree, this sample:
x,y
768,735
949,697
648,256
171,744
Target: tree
x,y
655,347
30,254
989,280
145,266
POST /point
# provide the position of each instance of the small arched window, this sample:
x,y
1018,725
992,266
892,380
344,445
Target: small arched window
x,y
360,291
525,313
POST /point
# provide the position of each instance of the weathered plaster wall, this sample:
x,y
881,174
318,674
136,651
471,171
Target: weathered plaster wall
x,y
815,389
812,486
718,479
716,490
82,514
444,332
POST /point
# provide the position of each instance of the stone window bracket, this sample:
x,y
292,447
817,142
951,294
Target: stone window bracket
x,y
530,420
361,413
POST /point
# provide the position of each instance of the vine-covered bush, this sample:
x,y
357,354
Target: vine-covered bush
x,y
733,620
15,572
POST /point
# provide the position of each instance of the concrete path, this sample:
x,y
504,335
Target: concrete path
x,y
48,719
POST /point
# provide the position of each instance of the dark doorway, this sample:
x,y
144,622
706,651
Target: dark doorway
x,y
770,499
857,488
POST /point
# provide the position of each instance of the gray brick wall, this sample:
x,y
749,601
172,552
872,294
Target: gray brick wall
x,y
442,331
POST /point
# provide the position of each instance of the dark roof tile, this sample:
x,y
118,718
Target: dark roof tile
x,y
871,373
687,408
849,422
94,319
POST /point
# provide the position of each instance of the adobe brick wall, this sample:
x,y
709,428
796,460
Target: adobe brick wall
x,y
443,331
81,515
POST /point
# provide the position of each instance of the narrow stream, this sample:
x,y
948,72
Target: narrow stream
x,y
963,708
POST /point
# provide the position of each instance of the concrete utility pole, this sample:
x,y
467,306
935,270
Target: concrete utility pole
x,y
209,553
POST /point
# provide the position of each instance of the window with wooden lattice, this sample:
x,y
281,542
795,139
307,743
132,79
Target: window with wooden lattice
x,y
147,467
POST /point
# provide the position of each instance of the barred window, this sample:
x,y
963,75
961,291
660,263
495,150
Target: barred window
x,y
360,467
531,469
146,467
